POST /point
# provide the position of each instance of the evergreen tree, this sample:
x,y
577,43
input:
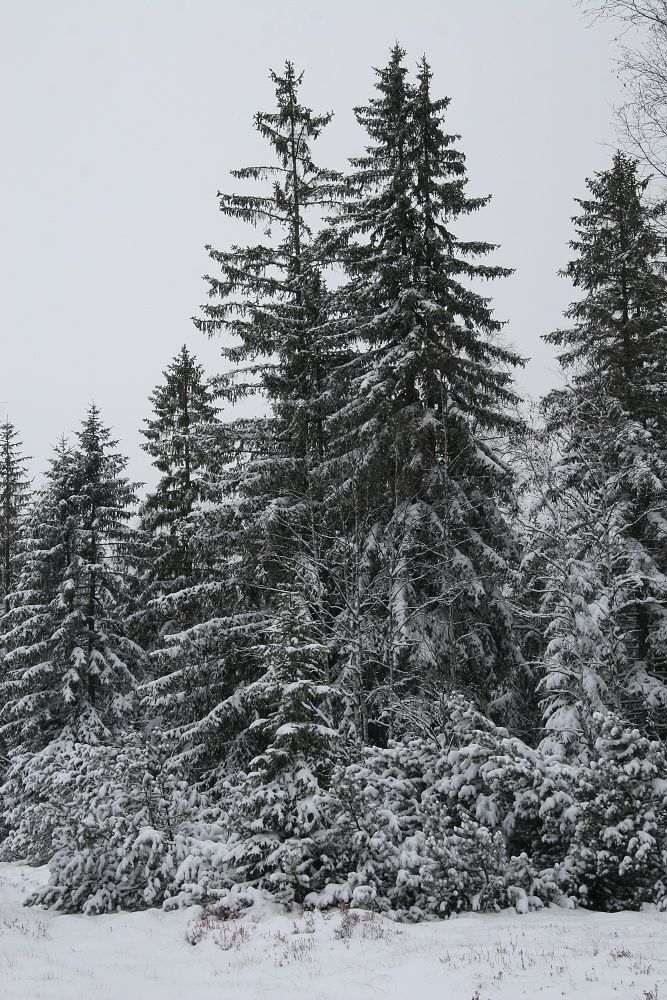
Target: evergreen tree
x,y
617,853
619,336
14,493
273,811
271,296
270,300
183,407
427,391
70,666
179,441
608,497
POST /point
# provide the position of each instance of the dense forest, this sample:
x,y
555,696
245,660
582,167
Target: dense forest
x,y
400,643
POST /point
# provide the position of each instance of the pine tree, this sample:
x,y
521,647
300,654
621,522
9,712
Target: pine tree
x,y
14,493
70,666
427,391
608,498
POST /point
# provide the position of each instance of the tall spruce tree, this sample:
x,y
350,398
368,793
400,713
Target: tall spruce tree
x,y
612,474
427,391
270,300
69,665
14,493
271,296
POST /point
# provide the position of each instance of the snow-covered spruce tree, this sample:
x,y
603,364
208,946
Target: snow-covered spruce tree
x,y
617,856
14,493
70,668
605,584
619,332
428,389
271,296
276,811
260,735
179,440
269,300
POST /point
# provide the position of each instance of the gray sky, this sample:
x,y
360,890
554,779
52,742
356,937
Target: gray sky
x,y
122,119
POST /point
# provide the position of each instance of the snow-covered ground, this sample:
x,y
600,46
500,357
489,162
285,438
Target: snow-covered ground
x,y
174,956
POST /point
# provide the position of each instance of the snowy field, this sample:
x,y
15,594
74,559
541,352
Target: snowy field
x,y
173,956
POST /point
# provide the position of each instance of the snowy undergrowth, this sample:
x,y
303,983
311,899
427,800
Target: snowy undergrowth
x,y
256,950
475,820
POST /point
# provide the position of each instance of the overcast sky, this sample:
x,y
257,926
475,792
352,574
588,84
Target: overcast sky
x,y
122,118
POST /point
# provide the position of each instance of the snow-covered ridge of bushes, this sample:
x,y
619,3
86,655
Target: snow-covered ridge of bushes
x,y
432,825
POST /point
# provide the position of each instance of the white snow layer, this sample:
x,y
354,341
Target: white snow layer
x,y
331,955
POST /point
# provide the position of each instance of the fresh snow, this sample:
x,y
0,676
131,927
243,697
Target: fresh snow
x,y
324,956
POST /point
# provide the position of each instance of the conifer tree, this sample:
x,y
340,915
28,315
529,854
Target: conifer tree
x,y
70,666
188,590
616,856
272,804
427,391
271,296
183,407
269,300
579,561
618,336
14,492
611,476
178,438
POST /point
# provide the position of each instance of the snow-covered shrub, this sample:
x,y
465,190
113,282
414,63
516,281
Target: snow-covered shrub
x,y
465,870
379,830
488,777
464,818
475,819
526,887
428,822
274,828
34,801
617,855
376,837
113,818
558,789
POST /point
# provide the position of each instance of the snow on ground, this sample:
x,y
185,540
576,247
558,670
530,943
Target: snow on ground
x,y
324,956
